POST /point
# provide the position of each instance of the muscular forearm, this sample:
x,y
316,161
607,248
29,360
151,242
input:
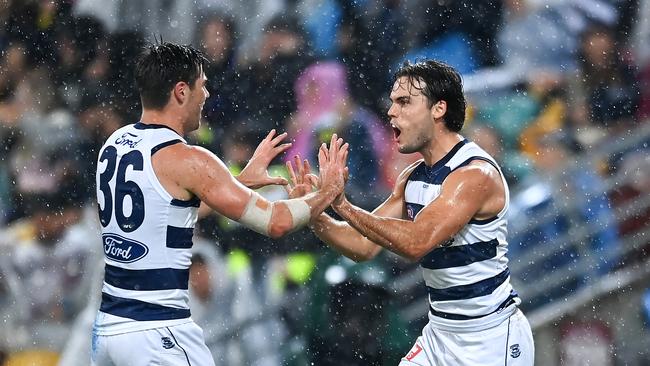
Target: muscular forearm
x,y
290,215
398,236
343,238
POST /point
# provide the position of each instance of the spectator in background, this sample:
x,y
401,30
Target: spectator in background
x,y
122,50
634,171
97,120
34,23
533,39
359,46
77,47
47,134
282,56
216,37
564,197
609,85
326,107
15,65
50,258
515,165
238,329
446,17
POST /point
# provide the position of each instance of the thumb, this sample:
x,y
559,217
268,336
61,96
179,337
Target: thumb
x,y
279,181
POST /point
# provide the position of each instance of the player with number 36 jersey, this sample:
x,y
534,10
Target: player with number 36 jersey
x,y
147,234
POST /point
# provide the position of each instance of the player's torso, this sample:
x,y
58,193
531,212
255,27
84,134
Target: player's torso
x,y
146,233
467,278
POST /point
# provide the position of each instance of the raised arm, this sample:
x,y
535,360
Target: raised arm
x,y
342,237
186,171
472,191
255,174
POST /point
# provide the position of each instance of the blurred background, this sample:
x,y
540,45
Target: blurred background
x,y
558,92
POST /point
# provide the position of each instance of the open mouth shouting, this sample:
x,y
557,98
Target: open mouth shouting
x,y
396,132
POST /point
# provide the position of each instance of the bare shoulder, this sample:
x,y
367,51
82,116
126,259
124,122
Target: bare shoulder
x,y
482,169
476,172
404,175
478,181
183,168
181,158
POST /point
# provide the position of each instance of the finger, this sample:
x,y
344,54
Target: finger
x,y
282,148
307,166
339,143
299,175
343,156
278,138
270,135
322,156
323,149
292,174
333,149
301,167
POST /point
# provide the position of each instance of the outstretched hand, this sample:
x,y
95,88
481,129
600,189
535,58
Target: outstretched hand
x,y
255,174
302,182
333,165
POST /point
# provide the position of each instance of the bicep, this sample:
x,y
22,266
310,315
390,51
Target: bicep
x,y
462,195
209,179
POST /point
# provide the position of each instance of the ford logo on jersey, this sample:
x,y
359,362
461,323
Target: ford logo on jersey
x,y
123,250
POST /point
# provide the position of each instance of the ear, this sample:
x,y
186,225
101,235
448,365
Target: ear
x,y
180,92
439,109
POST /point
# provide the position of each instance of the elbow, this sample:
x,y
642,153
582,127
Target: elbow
x,y
415,257
368,255
276,231
279,229
420,248
359,258
363,255
418,251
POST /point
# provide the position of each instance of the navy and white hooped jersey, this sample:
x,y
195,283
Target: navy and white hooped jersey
x,y
147,235
467,278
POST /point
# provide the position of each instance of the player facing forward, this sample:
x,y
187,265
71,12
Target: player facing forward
x,y
150,183
446,212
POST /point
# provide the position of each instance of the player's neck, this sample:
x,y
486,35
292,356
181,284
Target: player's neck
x,y
163,117
439,147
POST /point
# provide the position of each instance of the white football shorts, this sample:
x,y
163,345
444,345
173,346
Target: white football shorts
x,y
168,346
508,344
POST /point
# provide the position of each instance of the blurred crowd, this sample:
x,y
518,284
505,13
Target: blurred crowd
x,y
548,83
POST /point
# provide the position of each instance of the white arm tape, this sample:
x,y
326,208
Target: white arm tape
x,y
256,218
300,212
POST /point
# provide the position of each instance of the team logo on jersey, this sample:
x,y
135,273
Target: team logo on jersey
x,y
167,343
123,250
515,351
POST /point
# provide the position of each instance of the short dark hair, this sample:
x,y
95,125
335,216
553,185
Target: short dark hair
x,y
442,82
160,66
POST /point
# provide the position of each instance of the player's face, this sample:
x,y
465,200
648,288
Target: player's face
x,y
410,116
198,94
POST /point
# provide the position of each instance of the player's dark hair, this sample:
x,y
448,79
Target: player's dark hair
x,y
160,66
441,82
